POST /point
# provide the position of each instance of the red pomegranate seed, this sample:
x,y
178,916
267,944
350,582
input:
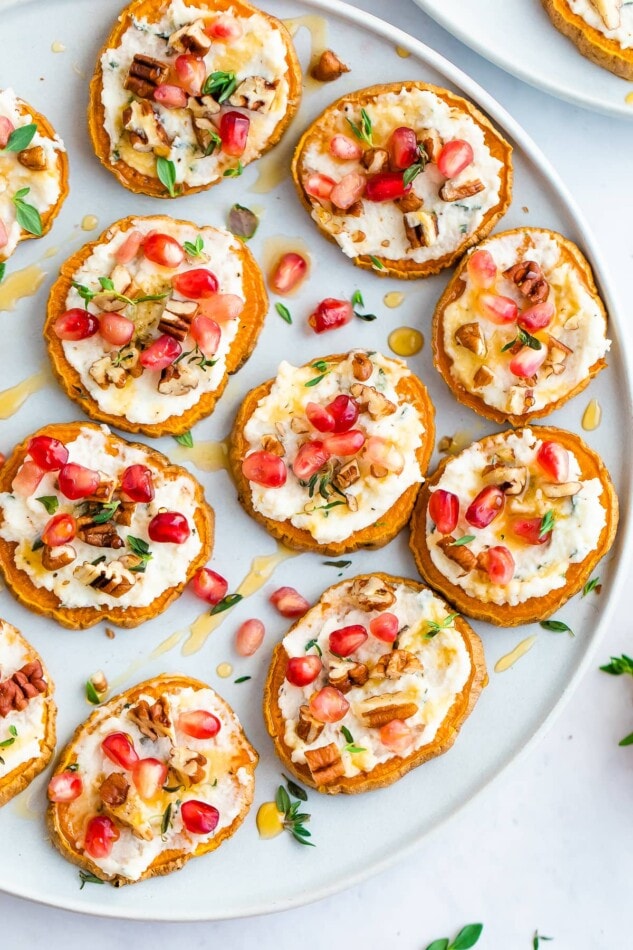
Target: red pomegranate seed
x,y
199,724
195,284
345,148
320,417
454,157
137,484
27,479
65,787
50,454
101,833
75,324
346,640
210,586
76,481
149,776
348,190
444,510
225,27
289,602
130,248
118,747
198,817
554,460
386,186
161,353
288,273
384,627
482,269
499,564
344,443
328,705
344,410
60,529
249,637
396,735
303,670
498,309
6,128
169,527
163,249
538,316
331,314
234,132
207,334
191,72
527,361
403,148
172,97
485,507
265,469
317,185
529,529
309,459
221,307
116,329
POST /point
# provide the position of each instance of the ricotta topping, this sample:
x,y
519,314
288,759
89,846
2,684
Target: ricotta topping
x,y
579,324
539,568
381,222
223,786
29,724
297,501
44,186
260,51
24,519
446,667
622,34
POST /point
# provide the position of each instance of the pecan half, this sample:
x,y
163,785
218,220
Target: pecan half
x,y
308,728
106,374
461,554
511,479
344,676
471,337
23,685
325,764
98,535
114,789
111,578
328,67
175,320
144,75
272,445
528,277
560,489
421,228
177,379
121,803
188,765
483,377
432,143
60,556
152,721
347,475
375,711
395,664
451,192
371,401
371,593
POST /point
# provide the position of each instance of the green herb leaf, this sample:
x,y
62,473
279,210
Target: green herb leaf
x,y
295,789
21,138
37,544
556,626
368,317
313,645
282,799
7,742
364,130
98,560
220,85
467,937
141,548
91,694
465,539
441,944
547,523
294,820
73,767
593,584
378,265
214,142
172,788
50,502
283,312
3,267
106,283
536,942
233,172
528,340
185,439
194,249
27,216
242,679
166,171
435,626
628,740
316,380
340,564
13,731
242,222
357,299
87,878
619,665
412,172
165,823
347,734
509,345
106,513
226,603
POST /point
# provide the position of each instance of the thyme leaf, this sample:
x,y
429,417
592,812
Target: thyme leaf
x,y
141,549
166,171
91,694
283,312
547,523
293,820
27,216
220,85
106,513
364,130
185,439
87,878
50,502
226,603
619,665
196,248
20,138
556,626
435,626
465,539
593,584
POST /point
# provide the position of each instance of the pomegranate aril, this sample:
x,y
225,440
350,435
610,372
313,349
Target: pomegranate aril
x,y
331,314
499,564
75,324
317,185
130,248
346,640
396,735
118,747
538,316
199,724
265,469
172,97
345,148
60,529
554,460
344,410
163,249
289,271
348,190
221,307
328,705
161,353
27,478
198,817
384,627
225,27
116,329
303,670
50,454
65,787
76,481
529,530
206,333
483,510
386,186
149,776
137,484
169,527
6,128
191,72
320,417
344,443
403,148
498,309
234,132
210,586
289,602
195,284
527,361
249,637
454,157
482,269
100,835
444,510
309,459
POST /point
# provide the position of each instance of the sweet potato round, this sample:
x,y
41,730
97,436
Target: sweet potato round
x,y
593,44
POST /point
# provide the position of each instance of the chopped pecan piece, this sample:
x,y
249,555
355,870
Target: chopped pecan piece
x,y
125,511
328,67
153,721
432,143
111,578
511,479
371,401
188,765
121,803
520,399
375,711
358,236
347,475
103,492
461,554
202,111
176,318
395,664
325,764
374,160
255,93
362,367
114,789
557,354
409,202
483,377
33,158
121,282
98,535
273,445
299,426
344,676
25,683
177,379
106,374
144,75
191,38
560,489
351,501
146,132
371,593
60,556
528,277
308,728
421,228
471,337
451,192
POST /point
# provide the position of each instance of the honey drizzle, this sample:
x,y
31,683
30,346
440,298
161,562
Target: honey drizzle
x,y
592,416
393,299
405,341
89,222
19,284
11,399
208,456
629,99
318,29
505,662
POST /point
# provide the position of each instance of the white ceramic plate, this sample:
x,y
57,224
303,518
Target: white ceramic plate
x,y
355,835
519,37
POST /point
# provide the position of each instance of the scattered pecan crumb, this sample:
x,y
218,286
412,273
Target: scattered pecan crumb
x,y
328,67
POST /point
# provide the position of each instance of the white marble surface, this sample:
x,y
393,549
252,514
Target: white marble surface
x,y
548,846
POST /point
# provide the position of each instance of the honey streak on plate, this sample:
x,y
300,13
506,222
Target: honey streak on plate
x,y
19,284
318,28
591,416
11,399
207,456
505,662
405,341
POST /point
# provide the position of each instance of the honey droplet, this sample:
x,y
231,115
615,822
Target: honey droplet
x,y
393,299
505,662
224,670
591,416
57,47
629,99
405,341
89,222
402,52
269,820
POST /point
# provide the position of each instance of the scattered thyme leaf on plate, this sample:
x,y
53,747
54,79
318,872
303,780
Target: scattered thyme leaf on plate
x,y
557,626
185,439
593,584
87,878
293,820
619,665
283,312
226,603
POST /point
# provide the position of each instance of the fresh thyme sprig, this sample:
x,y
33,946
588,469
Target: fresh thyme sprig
x,y
466,938
619,665
351,746
141,549
434,626
556,626
87,878
364,130
524,338
293,820
536,940
593,584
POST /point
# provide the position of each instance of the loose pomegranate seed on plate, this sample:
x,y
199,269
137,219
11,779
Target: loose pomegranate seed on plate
x,y
234,132
346,640
289,602
116,329
210,586
6,128
527,361
538,316
318,186
169,527
191,72
498,309
50,454
172,97
320,417
221,307
118,747
249,637
289,271
137,484
482,269
403,148
344,410
199,724
149,776
130,248
384,627
454,157
529,529
554,460
483,509
444,510
65,787
344,443
265,469
345,148
163,249
499,564
386,186
27,478
309,459
161,353
198,817
60,529
207,334
303,670
348,190
331,314
101,833
195,284
77,481
75,324
396,735
328,705
225,27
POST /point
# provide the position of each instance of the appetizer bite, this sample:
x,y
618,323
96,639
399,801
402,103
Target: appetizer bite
x,y
27,713
601,29
329,456
96,528
377,678
520,328
187,93
146,323
156,776
512,527
403,177
33,170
